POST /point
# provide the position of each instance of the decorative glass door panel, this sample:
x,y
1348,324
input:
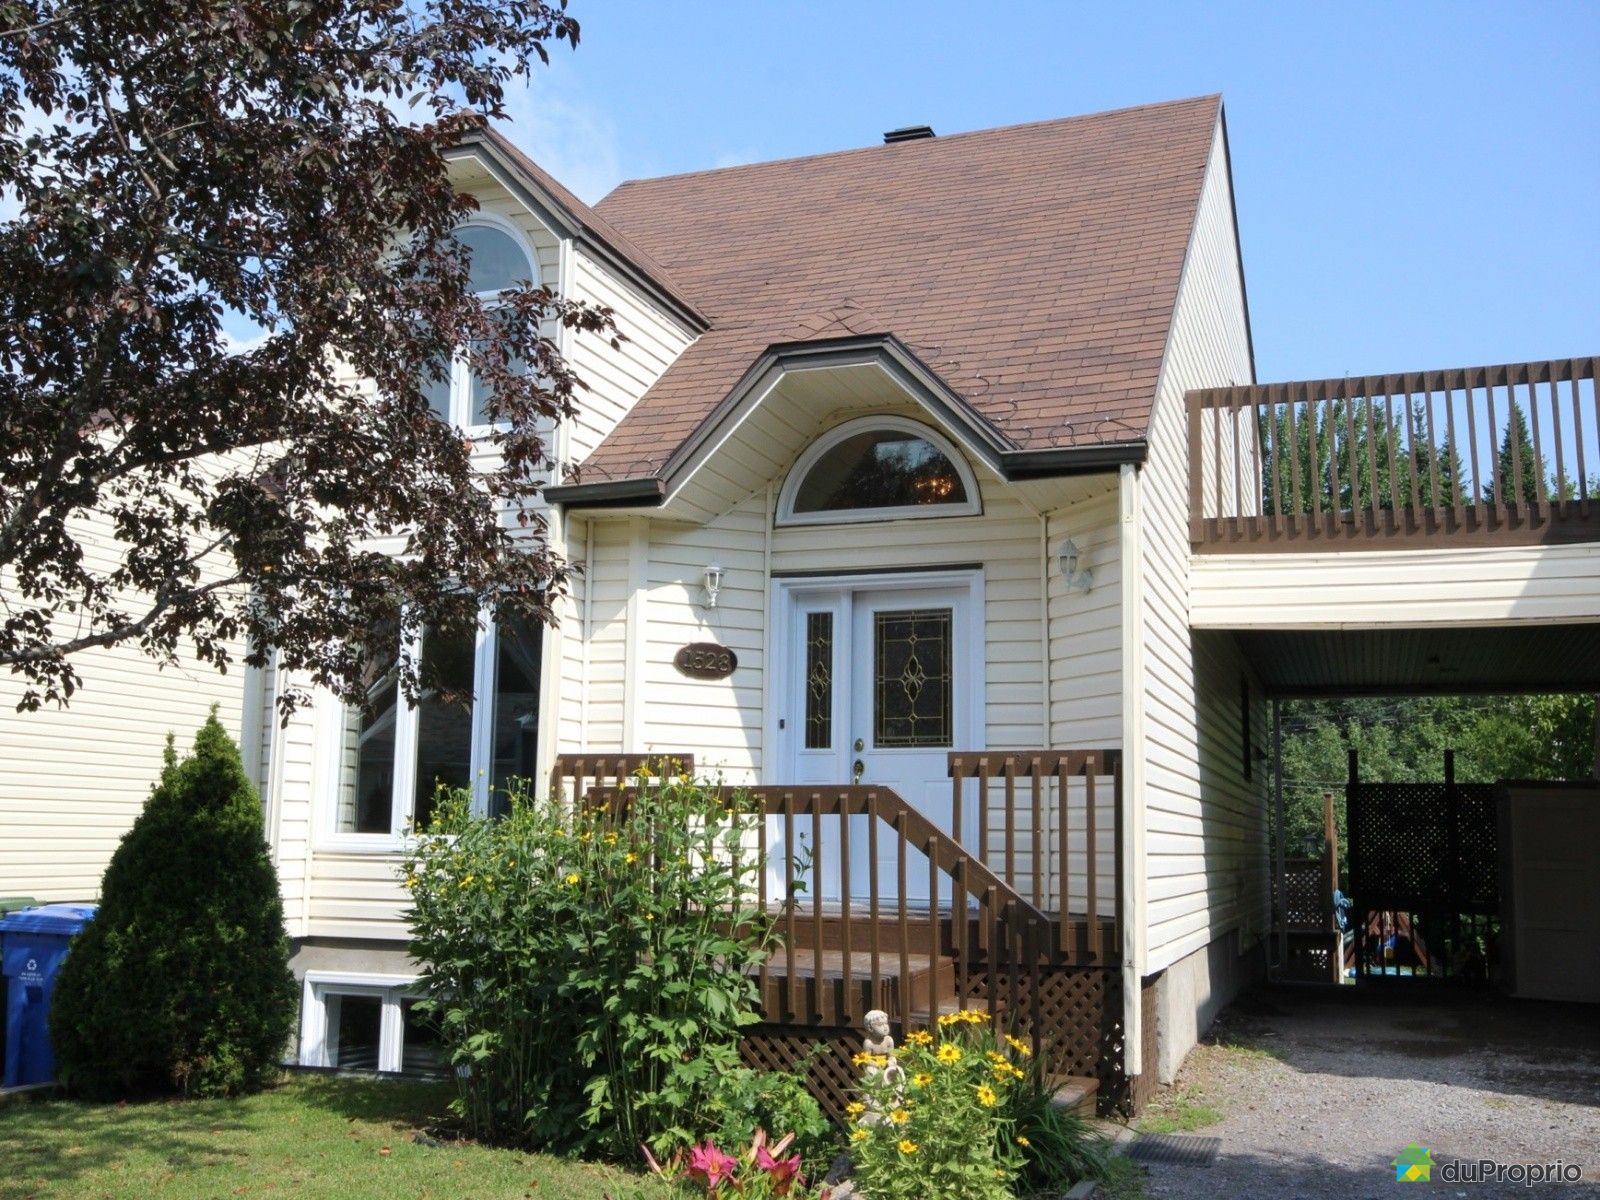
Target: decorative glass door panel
x,y
876,691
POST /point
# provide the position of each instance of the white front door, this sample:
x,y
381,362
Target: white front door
x,y
879,679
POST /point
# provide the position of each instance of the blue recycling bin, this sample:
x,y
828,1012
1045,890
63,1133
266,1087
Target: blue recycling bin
x,y
33,944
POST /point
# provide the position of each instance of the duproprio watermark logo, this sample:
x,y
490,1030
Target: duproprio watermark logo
x,y
1415,1164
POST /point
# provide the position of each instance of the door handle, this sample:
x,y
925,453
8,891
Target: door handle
x,y
857,771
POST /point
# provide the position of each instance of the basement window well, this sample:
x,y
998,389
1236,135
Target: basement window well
x,y
368,1023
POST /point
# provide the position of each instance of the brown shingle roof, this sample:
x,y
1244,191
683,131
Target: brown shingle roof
x,y
1033,268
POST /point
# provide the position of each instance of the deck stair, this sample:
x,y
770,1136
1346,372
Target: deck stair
x,y
928,925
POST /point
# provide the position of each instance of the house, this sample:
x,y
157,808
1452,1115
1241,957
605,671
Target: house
x,y
901,431
932,496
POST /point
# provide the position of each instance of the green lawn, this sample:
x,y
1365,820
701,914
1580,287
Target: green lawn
x,y
311,1137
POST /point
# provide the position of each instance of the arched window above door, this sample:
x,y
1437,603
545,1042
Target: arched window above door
x,y
878,469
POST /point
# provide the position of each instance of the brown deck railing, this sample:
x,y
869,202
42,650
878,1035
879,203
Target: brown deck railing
x,y
933,924
1507,454
1048,822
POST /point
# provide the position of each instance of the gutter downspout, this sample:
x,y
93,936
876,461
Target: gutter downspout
x,y
1133,914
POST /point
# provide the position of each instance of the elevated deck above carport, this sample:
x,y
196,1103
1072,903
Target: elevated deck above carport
x,y
1442,503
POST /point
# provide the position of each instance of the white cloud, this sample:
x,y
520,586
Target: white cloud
x,y
569,138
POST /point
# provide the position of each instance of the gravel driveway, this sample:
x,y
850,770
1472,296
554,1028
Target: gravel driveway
x,y
1321,1092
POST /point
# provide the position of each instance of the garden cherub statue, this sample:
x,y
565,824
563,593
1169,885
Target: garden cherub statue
x,y
880,1043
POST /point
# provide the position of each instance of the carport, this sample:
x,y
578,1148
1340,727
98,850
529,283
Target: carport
x,y
1489,885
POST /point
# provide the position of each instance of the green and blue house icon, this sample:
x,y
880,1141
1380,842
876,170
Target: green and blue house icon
x,y
1413,1165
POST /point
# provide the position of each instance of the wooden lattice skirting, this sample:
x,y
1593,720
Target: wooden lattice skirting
x,y
1080,1014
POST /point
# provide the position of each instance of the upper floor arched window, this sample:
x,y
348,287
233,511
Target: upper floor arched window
x,y
501,259
877,469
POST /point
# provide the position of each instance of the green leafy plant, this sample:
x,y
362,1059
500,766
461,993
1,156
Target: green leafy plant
x,y
940,1125
746,1102
181,982
1055,1145
589,968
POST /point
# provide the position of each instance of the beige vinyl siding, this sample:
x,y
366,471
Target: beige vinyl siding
x,y
290,788
1201,868
1487,585
1085,689
356,896
1086,628
73,780
615,379
720,720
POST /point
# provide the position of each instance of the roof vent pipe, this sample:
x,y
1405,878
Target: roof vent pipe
x,y
908,133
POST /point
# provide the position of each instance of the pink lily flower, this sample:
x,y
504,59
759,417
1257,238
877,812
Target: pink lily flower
x,y
783,1170
711,1165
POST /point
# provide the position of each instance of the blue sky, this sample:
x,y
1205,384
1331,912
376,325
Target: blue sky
x,y
1418,184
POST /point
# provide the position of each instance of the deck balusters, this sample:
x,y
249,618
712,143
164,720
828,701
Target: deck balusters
x,y
1501,453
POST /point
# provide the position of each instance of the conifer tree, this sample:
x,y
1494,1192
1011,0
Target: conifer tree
x,y
181,983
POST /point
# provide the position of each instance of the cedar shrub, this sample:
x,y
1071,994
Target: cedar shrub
x,y
181,983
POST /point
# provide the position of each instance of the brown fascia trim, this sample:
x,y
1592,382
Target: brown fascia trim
x,y
562,221
609,493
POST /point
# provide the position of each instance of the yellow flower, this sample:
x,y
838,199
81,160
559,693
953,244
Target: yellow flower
x,y
854,1109
574,879
921,1079
986,1096
611,839
949,1053
907,1146
1020,1046
411,881
1004,1071
973,1017
585,836
467,882
899,1117
645,772
863,1059
949,1019
649,916
919,1037
630,858
858,1134
1022,1141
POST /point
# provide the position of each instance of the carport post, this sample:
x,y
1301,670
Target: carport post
x,y
1279,911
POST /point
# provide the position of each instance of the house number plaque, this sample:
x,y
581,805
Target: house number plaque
x,y
705,660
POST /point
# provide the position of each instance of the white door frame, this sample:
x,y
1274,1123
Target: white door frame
x,y
972,714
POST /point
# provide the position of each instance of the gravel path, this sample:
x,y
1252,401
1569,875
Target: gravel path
x,y
1320,1094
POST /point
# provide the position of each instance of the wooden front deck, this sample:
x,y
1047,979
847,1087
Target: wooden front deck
x,y
1026,927
1498,455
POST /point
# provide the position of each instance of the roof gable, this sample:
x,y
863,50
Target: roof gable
x,y
1034,269
570,217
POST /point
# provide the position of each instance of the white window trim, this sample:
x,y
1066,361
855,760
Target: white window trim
x,y
397,841
972,506
390,989
460,373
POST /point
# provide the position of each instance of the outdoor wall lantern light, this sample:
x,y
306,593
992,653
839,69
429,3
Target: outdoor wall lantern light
x,y
1077,581
713,583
